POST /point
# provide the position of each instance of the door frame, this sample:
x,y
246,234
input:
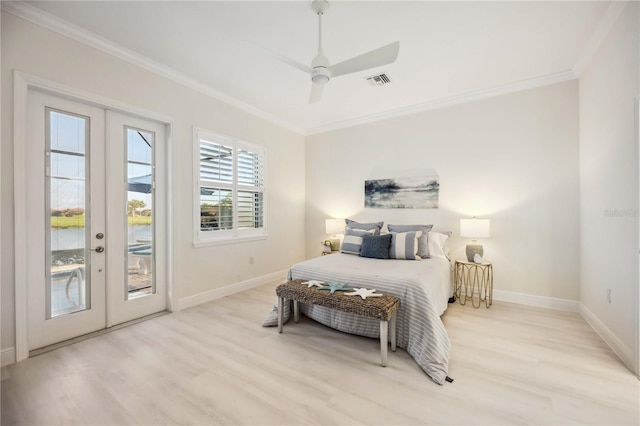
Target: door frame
x,y
637,318
22,84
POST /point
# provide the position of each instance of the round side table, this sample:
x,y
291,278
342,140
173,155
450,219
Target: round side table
x,y
477,281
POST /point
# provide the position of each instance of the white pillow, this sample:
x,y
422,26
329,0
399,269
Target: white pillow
x,y
438,244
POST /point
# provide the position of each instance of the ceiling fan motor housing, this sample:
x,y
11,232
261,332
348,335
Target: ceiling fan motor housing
x,y
320,73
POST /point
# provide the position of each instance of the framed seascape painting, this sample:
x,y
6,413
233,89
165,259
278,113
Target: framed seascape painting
x,y
402,193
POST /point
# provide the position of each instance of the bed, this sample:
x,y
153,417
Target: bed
x,y
423,288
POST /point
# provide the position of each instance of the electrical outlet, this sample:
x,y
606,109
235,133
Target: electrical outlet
x,y
609,295
251,260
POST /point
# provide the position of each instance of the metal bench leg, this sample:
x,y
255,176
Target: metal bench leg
x,y
384,342
296,312
280,309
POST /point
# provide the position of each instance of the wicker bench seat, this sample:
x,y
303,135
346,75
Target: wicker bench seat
x,y
383,308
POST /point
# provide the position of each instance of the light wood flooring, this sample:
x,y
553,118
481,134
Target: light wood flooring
x,y
215,364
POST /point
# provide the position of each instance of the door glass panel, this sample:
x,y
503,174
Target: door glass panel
x,y
140,203
68,281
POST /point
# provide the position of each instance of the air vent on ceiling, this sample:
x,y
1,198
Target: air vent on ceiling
x,y
378,80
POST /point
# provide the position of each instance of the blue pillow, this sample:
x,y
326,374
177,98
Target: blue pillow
x,y
376,246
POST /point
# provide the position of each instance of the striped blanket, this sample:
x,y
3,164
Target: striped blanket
x,y
423,288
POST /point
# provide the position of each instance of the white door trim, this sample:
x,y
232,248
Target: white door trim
x,y
22,83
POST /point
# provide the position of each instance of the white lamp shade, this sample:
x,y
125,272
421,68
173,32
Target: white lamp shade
x,y
334,226
475,228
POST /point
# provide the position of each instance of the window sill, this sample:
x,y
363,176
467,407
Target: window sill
x,y
230,240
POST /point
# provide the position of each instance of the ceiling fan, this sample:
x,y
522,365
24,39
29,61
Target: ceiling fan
x,y
321,71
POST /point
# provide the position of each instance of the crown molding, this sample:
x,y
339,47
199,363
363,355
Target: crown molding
x,y
51,22
472,96
608,20
39,17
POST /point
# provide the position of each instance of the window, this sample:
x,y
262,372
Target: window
x,y
230,199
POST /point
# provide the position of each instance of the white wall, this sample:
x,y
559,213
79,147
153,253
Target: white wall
x,y
609,216
40,52
512,158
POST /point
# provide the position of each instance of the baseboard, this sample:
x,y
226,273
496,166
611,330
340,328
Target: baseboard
x,y
625,353
539,301
8,356
228,290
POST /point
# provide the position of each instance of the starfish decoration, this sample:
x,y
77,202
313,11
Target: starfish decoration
x,y
364,293
313,283
333,287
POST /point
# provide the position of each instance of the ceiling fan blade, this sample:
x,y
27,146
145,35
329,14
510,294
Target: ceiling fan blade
x,y
282,58
316,93
381,56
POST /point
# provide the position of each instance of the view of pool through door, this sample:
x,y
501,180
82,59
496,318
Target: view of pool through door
x,y
96,210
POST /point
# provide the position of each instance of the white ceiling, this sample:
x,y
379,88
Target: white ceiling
x,y
447,49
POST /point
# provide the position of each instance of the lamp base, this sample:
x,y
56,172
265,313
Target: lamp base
x,y
335,244
472,249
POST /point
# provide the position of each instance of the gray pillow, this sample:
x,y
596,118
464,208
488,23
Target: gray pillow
x,y
376,246
352,243
377,226
423,241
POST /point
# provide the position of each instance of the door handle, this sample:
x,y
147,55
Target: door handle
x,y
98,249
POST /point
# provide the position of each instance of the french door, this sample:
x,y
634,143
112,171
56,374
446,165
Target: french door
x,y
96,218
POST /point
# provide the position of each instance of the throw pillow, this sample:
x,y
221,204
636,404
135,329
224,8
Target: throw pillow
x,y
352,242
376,246
404,245
423,241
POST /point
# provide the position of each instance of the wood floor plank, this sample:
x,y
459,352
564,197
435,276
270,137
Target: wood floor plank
x,y
215,364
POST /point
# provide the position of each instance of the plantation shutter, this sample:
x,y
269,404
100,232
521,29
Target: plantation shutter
x,y
216,162
231,186
250,187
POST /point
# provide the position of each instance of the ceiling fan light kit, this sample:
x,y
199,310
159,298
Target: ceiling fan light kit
x,y
321,70
320,76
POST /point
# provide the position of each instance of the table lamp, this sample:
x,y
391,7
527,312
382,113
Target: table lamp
x,y
474,228
334,227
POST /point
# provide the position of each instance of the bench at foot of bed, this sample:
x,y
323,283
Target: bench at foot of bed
x,y
383,308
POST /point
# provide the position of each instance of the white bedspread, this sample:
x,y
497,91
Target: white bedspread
x,y
423,288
